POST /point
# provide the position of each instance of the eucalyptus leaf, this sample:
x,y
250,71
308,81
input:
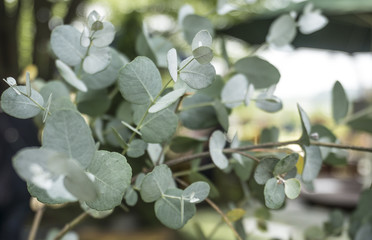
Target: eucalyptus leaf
x,y
196,75
57,194
306,126
234,91
172,61
112,177
202,39
313,163
20,106
269,104
172,212
93,102
106,77
158,127
274,193
140,81
104,36
203,54
292,188
111,136
131,197
65,43
282,31
66,131
206,114
124,112
136,148
217,143
259,72
286,164
311,20
57,88
28,84
69,76
97,60
192,24
94,213
155,152
167,100
196,192
264,170
340,102
156,183
222,114
244,170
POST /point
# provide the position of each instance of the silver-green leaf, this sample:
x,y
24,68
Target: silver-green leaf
x,y
196,192
216,145
167,100
196,75
313,163
340,102
282,31
20,106
66,131
234,91
140,81
69,76
264,170
112,177
286,164
274,193
292,188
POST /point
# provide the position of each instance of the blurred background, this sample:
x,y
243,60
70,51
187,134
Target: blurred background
x,y
309,67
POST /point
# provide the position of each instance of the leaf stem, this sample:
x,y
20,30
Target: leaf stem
x,y
179,70
357,115
218,210
265,145
36,223
139,125
71,225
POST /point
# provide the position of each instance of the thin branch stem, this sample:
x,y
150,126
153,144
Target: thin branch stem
x,y
187,172
36,223
341,146
71,225
244,154
139,125
218,210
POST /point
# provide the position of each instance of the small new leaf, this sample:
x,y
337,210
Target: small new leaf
x,y
306,126
47,107
69,76
172,60
28,84
216,145
292,188
340,103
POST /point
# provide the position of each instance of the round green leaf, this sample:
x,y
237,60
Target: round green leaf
x,y
93,102
160,126
206,115
203,54
167,100
234,91
94,213
196,75
292,188
20,106
192,24
104,36
58,194
222,114
282,31
259,72
69,76
57,88
131,197
264,170
274,193
112,177
172,212
202,38
136,148
196,192
140,81
340,102
107,76
155,152
217,143
286,164
65,42
97,60
66,131
313,163
156,183
269,104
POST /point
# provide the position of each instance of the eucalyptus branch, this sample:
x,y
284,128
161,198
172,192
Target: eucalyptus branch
x,y
264,145
139,125
36,223
71,225
218,210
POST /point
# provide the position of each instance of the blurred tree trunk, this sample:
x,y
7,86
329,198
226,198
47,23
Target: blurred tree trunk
x,y
9,40
9,23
